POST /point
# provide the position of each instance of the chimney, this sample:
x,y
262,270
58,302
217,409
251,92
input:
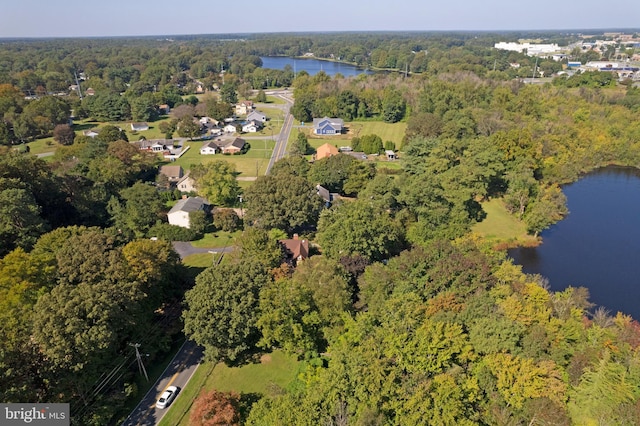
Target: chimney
x,y
295,236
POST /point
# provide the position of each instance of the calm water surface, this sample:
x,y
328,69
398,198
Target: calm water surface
x,y
312,66
598,244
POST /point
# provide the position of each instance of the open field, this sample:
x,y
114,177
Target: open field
x,y
217,239
387,131
256,158
273,369
501,228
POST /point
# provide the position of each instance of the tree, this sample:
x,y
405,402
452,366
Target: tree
x,y
228,93
214,408
138,209
64,134
357,228
282,201
111,133
226,220
20,221
301,145
292,165
188,128
548,208
226,294
219,110
331,172
393,106
216,182
261,96
259,246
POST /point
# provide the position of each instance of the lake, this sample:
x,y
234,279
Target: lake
x,y
598,244
312,66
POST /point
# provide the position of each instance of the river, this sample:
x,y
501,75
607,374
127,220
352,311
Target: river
x,y
598,244
312,66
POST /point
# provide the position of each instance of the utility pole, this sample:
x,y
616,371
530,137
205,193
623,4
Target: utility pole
x,y
139,358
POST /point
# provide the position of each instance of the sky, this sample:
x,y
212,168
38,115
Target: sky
x,y
104,18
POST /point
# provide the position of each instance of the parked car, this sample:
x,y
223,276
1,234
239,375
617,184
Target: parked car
x,y
167,397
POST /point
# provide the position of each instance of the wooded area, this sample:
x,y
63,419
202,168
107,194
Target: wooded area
x,y
401,314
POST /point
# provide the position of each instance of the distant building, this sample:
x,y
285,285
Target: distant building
x,y
139,127
173,173
186,184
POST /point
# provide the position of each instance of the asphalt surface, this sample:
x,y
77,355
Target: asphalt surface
x,y
280,148
177,373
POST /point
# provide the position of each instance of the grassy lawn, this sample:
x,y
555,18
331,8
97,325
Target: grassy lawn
x,y
273,369
199,260
275,100
217,239
387,131
501,228
40,146
246,164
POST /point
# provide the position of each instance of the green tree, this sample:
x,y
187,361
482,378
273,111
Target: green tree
x,y
137,210
228,93
548,208
226,220
393,106
225,294
331,172
259,246
282,201
356,228
216,182
188,128
20,220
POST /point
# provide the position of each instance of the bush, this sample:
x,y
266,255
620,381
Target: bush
x,y
165,231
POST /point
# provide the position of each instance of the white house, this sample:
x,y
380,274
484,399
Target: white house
x,y
251,127
179,214
229,128
210,148
186,184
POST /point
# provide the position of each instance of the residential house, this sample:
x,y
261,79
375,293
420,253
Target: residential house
x,y
252,126
325,151
244,107
89,92
257,116
327,126
326,196
186,184
92,133
179,213
155,145
164,109
230,128
139,127
173,173
296,249
210,148
234,147
390,154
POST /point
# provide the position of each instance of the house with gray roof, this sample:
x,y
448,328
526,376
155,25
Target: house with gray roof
x,y
257,116
328,126
179,214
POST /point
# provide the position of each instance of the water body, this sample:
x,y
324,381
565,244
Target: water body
x,y
598,244
312,66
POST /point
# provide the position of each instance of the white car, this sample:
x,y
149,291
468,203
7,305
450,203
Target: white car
x,y
167,397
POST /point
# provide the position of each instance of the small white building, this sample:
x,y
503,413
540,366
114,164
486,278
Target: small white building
x,y
251,127
186,184
210,148
230,128
179,214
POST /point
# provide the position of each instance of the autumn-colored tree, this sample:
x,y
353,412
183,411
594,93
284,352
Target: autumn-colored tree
x,y
215,408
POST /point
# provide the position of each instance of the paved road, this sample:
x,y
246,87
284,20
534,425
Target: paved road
x,y
178,373
280,148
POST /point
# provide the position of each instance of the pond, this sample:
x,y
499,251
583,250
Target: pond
x,y
598,244
312,66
